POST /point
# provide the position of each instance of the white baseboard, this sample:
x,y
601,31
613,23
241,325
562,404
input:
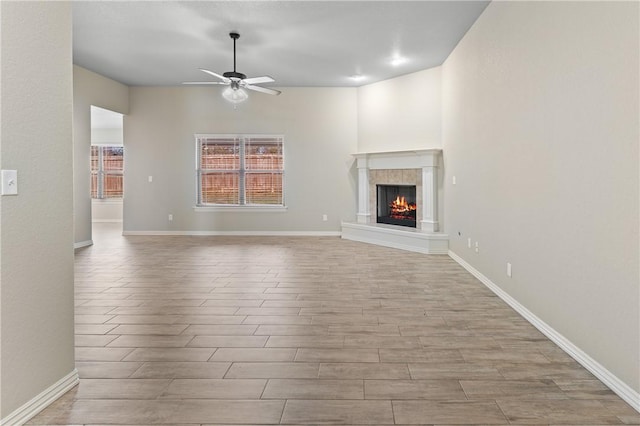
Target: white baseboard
x,y
42,400
240,233
82,244
106,221
622,389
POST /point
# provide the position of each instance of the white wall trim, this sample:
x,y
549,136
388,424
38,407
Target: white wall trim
x,y
240,233
82,244
42,400
106,221
622,389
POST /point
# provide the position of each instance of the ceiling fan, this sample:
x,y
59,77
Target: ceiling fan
x,y
237,81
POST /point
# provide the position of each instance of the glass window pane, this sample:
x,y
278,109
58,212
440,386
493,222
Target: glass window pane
x,y
112,157
220,188
220,154
94,185
107,164
263,188
94,158
112,186
263,154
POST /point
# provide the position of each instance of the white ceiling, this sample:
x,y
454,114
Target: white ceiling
x,y
298,43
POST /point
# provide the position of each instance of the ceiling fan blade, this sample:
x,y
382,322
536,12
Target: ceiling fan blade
x,y
258,80
203,82
225,79
263,89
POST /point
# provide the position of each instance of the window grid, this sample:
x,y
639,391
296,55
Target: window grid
x,y
107,171
240,170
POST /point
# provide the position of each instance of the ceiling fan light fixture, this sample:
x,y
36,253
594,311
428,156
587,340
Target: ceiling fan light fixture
x,y
235,95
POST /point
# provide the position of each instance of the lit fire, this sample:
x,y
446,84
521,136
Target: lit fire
x,y
400,207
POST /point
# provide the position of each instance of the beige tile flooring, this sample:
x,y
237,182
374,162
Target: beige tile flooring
x,y
248,330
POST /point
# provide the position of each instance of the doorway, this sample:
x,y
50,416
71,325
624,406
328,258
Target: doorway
x,y
107,168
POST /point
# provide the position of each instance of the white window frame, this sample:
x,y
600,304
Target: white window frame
x,y
201,207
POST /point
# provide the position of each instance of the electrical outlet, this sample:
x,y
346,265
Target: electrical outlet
x,y
150,179
509,269
454,180
324,218
477,248
170,217
469,242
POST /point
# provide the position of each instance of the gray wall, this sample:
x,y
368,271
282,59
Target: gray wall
x,y
89,89
402,113
540,127
36,244
320,130
106,136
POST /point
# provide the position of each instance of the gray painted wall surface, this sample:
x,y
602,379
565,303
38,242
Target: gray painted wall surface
x,y
36,244
541,130
320,130
402,113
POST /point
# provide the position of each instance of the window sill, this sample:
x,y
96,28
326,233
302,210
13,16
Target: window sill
x,y
107,200
242,209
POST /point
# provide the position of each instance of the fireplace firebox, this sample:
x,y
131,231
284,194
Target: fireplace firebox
x,y
396,205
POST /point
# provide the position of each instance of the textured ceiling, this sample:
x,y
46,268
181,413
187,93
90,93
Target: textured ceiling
x,y
298,43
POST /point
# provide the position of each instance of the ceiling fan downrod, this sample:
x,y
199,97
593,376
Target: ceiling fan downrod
x,y
234,74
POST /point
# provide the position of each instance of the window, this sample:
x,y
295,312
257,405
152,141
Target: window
x,y
107,169
240,170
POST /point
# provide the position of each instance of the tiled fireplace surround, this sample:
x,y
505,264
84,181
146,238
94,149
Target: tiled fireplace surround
x,y
393,177
417,167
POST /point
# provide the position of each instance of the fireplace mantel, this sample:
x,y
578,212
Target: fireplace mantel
x,y
414,159
426,160
425,163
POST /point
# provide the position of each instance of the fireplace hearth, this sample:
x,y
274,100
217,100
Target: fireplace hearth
x,y
396,205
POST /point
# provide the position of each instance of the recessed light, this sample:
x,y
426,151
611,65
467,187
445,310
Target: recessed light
x,y
397,61
357,77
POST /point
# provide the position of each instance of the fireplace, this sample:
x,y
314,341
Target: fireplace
x,y
417,169
396,205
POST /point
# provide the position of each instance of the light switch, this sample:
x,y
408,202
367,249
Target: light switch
x,y
150,179
9,182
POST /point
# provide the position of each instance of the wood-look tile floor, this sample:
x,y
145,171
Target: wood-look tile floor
x,y
247,330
